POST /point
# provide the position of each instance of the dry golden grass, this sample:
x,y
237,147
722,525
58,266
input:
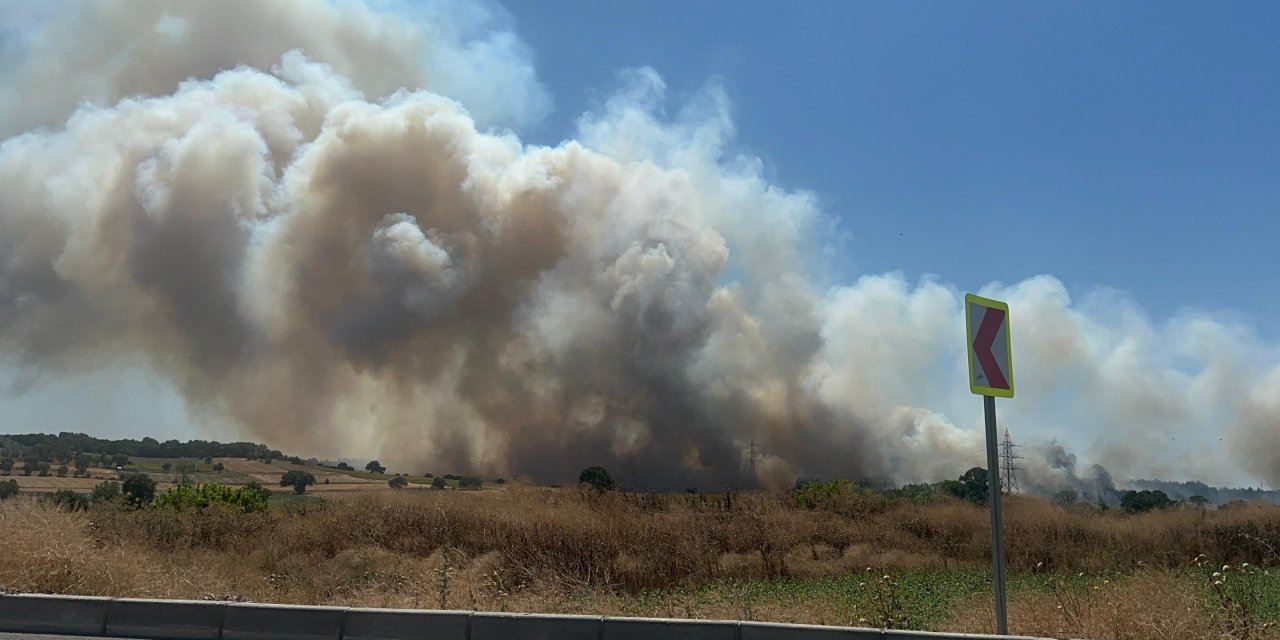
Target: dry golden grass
x,y
1152,604
573,551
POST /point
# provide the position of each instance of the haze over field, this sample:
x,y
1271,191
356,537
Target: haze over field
x,y
317,223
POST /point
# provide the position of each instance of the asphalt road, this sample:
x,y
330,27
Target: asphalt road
x,y
31,636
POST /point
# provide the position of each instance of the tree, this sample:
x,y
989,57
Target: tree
x,y
297,479
44,469
344,466
166,466
1145,500
8,489
6,465
208,460
470,482
82,464
398,482
972,486
218,467
1199,501
597,478
375,467
61,471
437,483
139,489
120,460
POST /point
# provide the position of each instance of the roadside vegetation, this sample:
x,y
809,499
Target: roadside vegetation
x,y
825,553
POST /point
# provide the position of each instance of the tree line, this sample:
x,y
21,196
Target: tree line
x,y
62,447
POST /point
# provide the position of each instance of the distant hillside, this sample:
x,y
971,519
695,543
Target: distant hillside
x,y
1216,495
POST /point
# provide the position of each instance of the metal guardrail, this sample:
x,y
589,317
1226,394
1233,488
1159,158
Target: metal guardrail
x,y
198,620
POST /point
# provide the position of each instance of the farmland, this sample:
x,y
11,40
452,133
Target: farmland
x,y
236,471
1074,571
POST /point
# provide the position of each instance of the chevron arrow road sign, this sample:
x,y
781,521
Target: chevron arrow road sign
x,y
990,348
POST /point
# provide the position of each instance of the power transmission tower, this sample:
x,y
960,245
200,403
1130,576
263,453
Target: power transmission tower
x,y
1008,469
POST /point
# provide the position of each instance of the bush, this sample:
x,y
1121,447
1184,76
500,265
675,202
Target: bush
x,y
218,467
8,489
597,477
68,500
919,494
139,489
470,482
398,482
62,471
248,499
838,496
106,492
437,483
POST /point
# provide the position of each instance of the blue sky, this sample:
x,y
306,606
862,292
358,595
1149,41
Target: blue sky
x,y
1129,145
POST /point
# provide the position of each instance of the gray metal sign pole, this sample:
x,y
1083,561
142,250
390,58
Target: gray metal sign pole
x,y
997,529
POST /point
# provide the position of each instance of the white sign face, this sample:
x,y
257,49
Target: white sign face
x,y
990,347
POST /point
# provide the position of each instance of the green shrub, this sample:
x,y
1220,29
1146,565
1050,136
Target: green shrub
x,y
437,483
838,496
470,482
398,482
248,499
8,489
106,492
68,500
920,494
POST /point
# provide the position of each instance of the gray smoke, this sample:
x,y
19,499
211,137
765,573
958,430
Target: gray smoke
x,y
306,218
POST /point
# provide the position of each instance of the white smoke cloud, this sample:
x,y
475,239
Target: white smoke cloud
x,y
311,220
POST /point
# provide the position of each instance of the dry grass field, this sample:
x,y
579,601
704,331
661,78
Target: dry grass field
x,y
1073,572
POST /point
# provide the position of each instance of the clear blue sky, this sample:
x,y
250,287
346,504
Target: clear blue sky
x,y
1133,145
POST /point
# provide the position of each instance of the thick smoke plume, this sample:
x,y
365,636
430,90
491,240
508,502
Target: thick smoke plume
x,y
314,221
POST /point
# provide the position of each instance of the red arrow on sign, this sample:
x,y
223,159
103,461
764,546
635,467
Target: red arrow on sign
x,y
982,342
